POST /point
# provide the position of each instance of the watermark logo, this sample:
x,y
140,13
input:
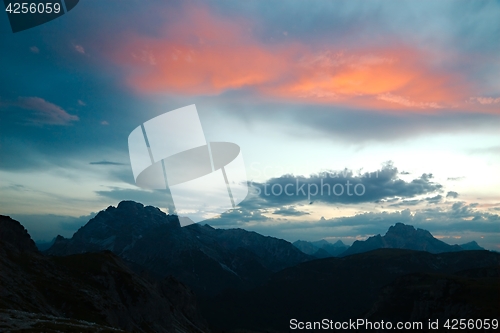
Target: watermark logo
x,y
26,14
170,152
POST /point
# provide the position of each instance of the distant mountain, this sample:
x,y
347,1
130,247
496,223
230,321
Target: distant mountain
x,y
44,245
471,246
322,248
310,249
402,236
399,236
85,292
208,260
353,287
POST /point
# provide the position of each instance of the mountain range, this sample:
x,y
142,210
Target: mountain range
x,y
134,268
321,248
208,260
399,236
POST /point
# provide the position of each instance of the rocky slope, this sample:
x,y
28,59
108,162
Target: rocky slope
x,y
15,321
97,288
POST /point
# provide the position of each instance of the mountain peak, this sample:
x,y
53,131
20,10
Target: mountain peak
x,y
116,228
406,231
471,246
130,205
321,242
402,236
401,228
339,243
15,235
133,213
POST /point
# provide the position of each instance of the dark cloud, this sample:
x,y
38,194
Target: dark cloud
x,y
429,200
452,194
434,200
289,211
406,203
390,200
342,187
236,218
42,112
106,163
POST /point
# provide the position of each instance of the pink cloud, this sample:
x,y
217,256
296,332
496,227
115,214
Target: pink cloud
x,y
485,100
80,49
48,113
406,102
206,54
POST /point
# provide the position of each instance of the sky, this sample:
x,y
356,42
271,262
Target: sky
x,y
401,98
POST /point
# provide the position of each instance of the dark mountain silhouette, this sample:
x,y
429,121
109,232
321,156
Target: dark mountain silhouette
x,y
208,260
349,287
322,248
471,293
247,281
93,292
15,237
401,236
306,247
471,246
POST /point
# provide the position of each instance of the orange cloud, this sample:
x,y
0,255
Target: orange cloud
x,y
205,54
200,55
384,78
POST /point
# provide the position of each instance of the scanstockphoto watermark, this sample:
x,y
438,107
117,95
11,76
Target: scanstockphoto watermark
x,y
301,188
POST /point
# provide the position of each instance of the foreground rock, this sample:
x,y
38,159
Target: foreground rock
x,y
96,288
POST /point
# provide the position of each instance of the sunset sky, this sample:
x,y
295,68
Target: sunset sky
x,y
408,91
